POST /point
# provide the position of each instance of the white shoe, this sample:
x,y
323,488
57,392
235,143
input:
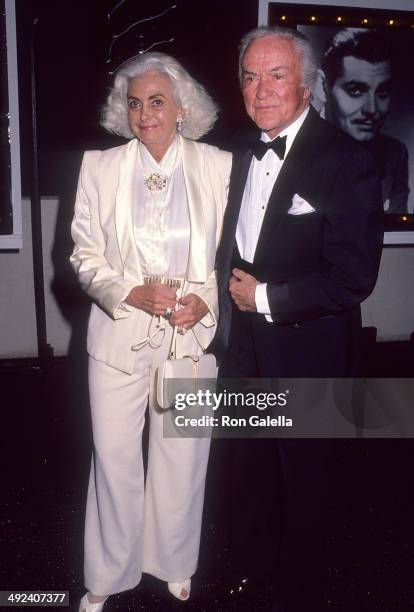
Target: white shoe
x,y
86,606
180,590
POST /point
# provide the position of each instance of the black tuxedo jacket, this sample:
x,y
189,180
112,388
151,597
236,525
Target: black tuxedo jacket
x,y
319,266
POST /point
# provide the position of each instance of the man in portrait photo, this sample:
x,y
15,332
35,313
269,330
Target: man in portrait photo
x,y
356,88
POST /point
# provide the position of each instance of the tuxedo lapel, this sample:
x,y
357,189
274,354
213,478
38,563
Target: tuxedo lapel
x,y
192,158
287,183
240,170
124,202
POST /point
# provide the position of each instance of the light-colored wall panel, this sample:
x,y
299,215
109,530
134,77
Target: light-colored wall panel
x,y
18,336
17,303
391,307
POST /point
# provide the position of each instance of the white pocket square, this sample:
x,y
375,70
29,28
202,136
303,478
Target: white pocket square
x,y
300,206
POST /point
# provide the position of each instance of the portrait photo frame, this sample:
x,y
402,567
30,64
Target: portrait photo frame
x,y
321,24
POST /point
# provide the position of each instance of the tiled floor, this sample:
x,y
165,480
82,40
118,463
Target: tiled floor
x,y
46,441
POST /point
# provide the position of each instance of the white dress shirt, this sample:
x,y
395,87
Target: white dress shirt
x,y
162,218
260,181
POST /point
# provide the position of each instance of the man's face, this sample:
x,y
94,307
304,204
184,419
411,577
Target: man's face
x,y
271,84
359,100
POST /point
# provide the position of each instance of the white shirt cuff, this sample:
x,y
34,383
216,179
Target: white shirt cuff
x,y
262,303
123,309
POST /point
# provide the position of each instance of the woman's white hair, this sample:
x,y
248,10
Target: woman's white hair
x,y
199,110
301,43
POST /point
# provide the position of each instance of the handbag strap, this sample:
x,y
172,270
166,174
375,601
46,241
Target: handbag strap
x,y
171,352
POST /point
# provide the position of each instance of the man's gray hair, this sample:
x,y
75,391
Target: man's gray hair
x,y
302,45
199,110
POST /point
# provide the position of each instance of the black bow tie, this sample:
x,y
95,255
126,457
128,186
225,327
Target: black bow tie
x,y
278,145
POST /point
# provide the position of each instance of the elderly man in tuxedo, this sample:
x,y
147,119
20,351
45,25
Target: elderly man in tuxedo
x,y
300,251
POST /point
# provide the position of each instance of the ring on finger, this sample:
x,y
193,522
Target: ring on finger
x,y
168,312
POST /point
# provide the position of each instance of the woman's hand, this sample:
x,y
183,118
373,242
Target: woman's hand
x,y
194,310
153,298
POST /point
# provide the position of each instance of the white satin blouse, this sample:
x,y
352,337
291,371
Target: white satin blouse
x,y
161,218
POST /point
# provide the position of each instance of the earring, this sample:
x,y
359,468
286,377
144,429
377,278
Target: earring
x,y
179,124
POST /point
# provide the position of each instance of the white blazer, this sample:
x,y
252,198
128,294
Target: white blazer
x,y
105,256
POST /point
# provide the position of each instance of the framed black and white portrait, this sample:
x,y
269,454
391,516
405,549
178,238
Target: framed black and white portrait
x,y
363,87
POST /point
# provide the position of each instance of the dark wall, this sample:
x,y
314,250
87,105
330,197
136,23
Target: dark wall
x,y
72,41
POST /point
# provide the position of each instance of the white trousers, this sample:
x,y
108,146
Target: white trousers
x,y
131,526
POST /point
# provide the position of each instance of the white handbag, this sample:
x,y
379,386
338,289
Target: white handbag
x,y
189,375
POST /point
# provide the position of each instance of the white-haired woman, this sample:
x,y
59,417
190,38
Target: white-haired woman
x,y
147,221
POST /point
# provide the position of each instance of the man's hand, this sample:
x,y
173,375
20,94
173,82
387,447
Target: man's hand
x,y
242,289
194,310
153,298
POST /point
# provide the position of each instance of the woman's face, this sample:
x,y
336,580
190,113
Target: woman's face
x,y
153,112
